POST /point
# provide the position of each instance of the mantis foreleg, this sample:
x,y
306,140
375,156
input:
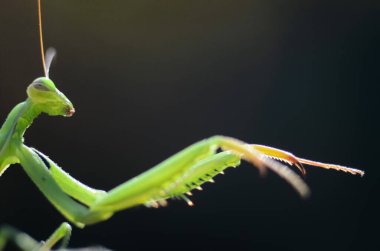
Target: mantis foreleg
x,y
174,177
183,181
188,169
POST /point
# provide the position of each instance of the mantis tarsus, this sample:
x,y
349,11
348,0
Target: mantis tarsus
x,y
173,178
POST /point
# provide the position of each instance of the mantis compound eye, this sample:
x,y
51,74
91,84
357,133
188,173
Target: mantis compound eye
x,y
41,87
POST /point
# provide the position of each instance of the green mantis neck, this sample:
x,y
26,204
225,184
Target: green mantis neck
x,y
12,132
20,118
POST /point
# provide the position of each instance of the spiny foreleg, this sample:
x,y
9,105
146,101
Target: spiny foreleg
x,y
189,168
174,177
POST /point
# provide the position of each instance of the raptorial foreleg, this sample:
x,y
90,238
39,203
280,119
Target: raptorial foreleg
x,y
186,169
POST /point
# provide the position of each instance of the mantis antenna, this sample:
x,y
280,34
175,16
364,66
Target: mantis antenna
x,y
42,40
51,52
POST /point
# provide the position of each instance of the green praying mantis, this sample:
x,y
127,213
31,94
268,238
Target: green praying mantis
x,y
175,177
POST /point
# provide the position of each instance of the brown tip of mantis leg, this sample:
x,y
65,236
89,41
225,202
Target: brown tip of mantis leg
x,y
290,159
332,166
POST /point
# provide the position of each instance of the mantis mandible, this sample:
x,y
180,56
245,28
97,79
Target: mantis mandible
x,y
175,177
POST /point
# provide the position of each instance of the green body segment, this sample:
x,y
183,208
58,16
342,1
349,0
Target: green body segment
x,y
154,182
175,176
9,135
71,186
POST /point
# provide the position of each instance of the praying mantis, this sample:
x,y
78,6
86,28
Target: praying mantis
x,y
175,177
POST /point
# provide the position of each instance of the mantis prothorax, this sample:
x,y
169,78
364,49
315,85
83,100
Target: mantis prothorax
x,y
173,178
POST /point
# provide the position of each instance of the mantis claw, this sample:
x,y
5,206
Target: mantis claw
x,y
280,155
290,159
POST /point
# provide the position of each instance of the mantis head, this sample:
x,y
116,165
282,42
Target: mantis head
x,y
48,99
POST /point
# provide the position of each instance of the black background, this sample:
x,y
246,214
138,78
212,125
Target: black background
x,y
148,78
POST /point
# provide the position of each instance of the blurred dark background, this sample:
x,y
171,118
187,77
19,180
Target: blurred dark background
x,y
149,78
